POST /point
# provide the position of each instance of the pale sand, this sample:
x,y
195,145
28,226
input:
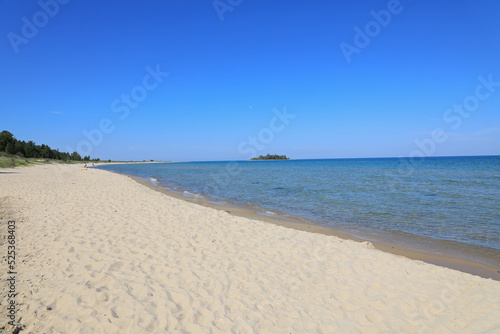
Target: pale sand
x,y
101,253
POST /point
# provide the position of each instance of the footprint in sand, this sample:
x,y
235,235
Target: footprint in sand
x,y
116,266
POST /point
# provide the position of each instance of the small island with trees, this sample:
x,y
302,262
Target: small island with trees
x,y
271,157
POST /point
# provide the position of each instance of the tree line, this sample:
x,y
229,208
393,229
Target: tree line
x,y
10,145
271,157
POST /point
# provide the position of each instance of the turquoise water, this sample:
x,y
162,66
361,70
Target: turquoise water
x,y
455,199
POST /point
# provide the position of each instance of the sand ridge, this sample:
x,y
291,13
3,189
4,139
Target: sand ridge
x,y
100,253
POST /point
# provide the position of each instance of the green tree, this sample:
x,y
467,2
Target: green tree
x,y
19,148
75,156
10,148
28,149
5,138
46,151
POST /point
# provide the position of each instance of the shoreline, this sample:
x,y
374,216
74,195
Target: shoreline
x,y
448,260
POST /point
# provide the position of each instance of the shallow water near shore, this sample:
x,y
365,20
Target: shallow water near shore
x,y
440,203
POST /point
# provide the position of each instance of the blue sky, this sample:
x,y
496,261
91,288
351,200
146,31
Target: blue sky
x,y
205,80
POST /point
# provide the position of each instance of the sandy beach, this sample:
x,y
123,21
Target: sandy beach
x,y
97,252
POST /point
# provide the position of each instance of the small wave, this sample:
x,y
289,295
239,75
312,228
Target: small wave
x,y
152,179
188,194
